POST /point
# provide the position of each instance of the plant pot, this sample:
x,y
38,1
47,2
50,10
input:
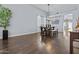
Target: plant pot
x,y
5,34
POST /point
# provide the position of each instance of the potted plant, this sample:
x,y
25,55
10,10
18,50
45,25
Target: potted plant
x,y
5,15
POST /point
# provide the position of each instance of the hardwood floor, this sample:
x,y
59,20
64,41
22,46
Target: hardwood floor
x,y
33,44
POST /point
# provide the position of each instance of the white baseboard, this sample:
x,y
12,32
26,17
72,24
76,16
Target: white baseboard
x,y
21,34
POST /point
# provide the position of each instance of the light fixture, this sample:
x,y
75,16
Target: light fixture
x,y
48,9
48,15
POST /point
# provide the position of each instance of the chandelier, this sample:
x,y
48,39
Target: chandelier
x,y
48,16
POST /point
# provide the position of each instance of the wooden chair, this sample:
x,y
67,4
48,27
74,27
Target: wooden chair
x,y
43,31
74,36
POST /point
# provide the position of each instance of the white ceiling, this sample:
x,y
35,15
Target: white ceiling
x,y
57,7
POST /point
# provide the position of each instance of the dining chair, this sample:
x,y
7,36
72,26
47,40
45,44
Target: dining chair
x,y
74,37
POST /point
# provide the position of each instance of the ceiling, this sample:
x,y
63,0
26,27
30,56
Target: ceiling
x,y
57,7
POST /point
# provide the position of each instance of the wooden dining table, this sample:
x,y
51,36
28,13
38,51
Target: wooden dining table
x,y
47,31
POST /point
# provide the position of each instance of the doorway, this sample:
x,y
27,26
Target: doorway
x,y
67,24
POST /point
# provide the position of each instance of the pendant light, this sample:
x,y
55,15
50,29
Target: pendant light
x,y
48,15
